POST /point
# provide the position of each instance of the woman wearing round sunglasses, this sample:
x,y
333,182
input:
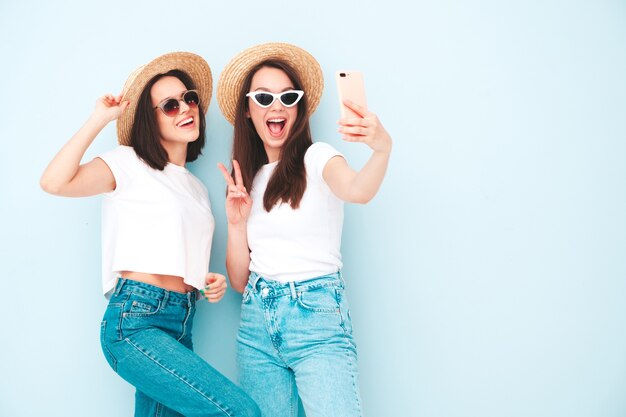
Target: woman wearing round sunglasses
x,y
284,208
157,228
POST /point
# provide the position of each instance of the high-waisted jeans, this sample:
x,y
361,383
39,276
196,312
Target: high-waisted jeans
x,y
146,338
296,338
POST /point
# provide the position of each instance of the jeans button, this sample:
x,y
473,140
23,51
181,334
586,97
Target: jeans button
x,y
265,291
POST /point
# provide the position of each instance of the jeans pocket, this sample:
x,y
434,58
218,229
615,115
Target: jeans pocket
x,y
319,300
104,344
140,305
344,310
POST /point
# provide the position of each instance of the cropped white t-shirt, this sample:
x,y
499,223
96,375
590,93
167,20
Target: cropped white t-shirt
x,y
157,222
294,245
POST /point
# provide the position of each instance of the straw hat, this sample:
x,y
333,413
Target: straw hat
x,y
231,79
195,66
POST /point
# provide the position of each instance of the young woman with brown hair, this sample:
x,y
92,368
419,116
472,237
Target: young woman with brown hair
x,y
284,207
157,228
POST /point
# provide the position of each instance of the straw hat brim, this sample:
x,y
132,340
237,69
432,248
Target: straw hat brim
x,y
194,65
232,77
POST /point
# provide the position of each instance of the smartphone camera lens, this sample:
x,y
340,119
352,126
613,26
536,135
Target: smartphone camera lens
x,y
342,74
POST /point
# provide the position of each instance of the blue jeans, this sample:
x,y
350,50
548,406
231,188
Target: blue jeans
x,y
146,338
296,338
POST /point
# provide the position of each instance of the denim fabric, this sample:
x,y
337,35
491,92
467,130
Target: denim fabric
x,y
296,338
146,338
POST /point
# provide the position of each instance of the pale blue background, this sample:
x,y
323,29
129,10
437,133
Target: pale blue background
x,y
487,278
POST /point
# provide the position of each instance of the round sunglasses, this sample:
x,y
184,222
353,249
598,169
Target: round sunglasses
x,y
171,106
265,99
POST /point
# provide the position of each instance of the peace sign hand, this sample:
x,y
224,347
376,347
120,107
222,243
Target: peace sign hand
x,y
366,128
238,201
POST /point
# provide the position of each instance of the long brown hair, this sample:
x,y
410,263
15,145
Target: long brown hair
x,y
288,181
144,135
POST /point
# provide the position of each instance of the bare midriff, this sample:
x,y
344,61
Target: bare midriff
x,y
167,282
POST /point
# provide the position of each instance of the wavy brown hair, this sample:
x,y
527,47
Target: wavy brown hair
x,y
288,181
144,135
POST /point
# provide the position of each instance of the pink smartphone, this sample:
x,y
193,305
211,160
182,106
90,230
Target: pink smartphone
x,y
351,87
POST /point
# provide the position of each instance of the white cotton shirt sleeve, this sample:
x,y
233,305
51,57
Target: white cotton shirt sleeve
x,y
316,158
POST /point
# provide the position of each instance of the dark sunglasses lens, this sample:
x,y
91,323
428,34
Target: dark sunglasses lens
x,y
170,107
264,99
191,98
289,98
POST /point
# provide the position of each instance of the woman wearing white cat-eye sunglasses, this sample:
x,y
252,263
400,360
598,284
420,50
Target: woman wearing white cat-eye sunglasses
x,y
284,208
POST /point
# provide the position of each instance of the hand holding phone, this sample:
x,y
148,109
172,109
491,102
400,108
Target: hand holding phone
x,y
351,87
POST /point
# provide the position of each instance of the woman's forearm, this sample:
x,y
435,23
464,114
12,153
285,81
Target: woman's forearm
x,y
237,257
64,166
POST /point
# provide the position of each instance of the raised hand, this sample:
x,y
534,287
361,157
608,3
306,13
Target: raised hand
x,y
366,129
238,201
110,107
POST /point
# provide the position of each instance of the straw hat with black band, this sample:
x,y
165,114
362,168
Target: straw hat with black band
x,y
194,65
232,77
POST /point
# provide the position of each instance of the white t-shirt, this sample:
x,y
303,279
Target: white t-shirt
x,y
157,222
294,245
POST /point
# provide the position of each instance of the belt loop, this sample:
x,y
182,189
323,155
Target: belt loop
x,y
292,287
166,296
253,279
191,298
340,275
120,283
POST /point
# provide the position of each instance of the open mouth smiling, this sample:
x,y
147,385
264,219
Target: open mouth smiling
x,y
275,126
185,122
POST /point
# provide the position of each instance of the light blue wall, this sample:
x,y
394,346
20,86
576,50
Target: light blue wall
x,y
487,278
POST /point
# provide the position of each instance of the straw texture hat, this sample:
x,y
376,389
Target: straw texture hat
x,y
232,77
194,65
